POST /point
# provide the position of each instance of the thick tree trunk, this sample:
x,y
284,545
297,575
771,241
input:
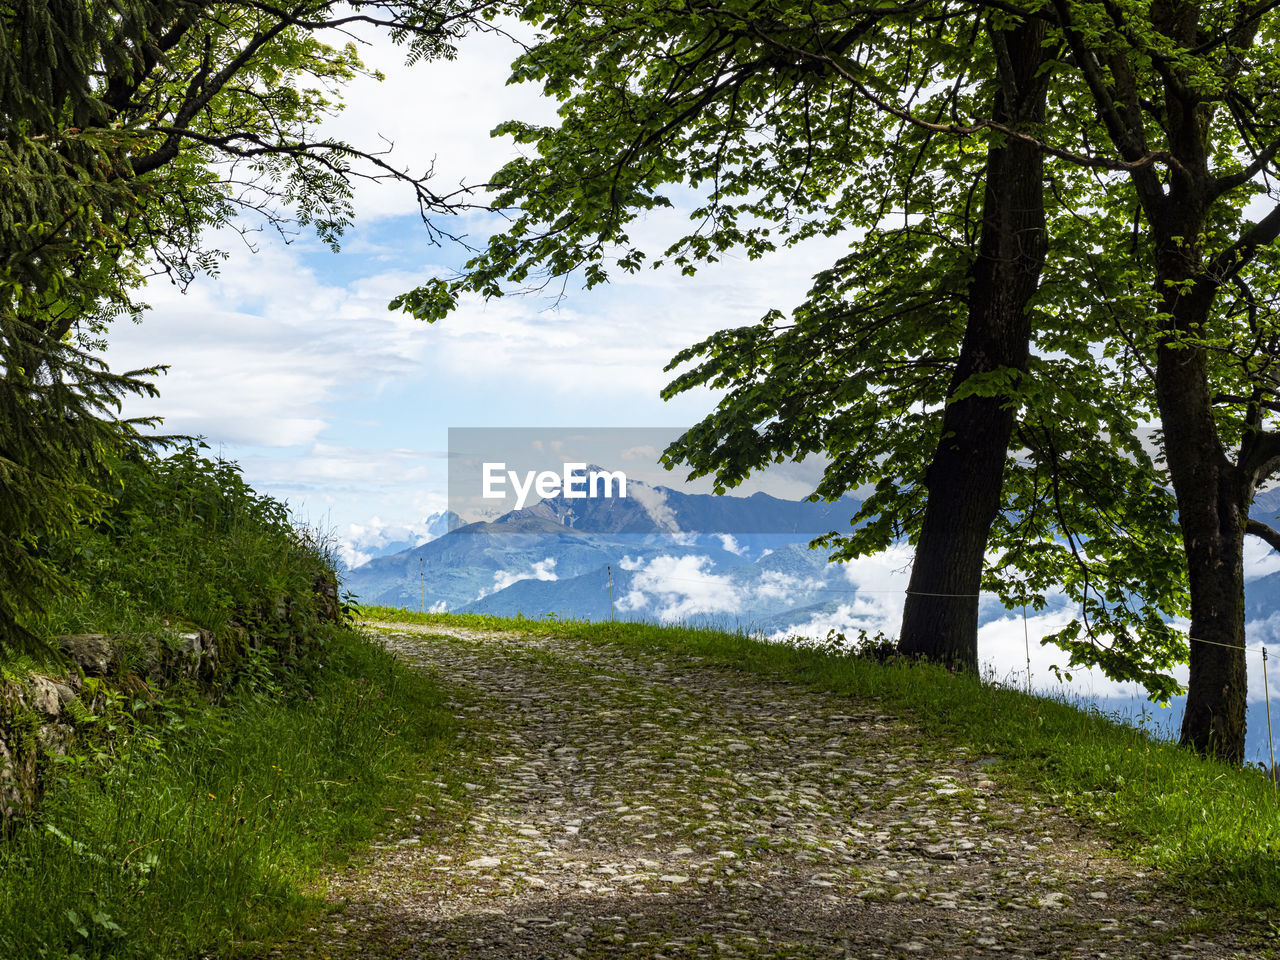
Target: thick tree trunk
x,y
1214,722
965,478
1213,510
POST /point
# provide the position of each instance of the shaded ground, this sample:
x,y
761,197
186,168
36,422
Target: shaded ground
x,y
669,809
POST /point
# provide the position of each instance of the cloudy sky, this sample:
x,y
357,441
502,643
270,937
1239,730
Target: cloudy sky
x,y
290,362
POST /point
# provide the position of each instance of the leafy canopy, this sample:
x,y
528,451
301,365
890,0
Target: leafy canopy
x,y
129,130
778,122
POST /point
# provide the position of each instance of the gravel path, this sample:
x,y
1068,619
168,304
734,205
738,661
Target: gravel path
x,y
671,809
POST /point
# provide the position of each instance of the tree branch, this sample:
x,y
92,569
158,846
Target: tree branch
x,y
1264,157
1263,532
1238,256
1260,454
1127,165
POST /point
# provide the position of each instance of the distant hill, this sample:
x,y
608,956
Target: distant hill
x,y
546,554
746,558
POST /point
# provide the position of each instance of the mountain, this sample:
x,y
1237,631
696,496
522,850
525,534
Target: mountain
x,y
658,576
363,543
730,561
650,509
538,555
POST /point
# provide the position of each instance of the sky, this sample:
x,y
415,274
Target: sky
x,y
289,362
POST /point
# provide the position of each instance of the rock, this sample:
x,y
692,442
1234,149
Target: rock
x,y
44,696
484,863
195,655
93,653
19,785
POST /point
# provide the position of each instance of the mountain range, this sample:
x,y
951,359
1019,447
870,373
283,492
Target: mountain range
x,y
560,555
661,553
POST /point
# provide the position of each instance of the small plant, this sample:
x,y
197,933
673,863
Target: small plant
x,y
876,647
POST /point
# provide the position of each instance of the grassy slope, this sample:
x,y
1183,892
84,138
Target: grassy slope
x,y
205,825
184,821
1213,829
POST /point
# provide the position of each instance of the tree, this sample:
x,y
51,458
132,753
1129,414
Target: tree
x,y
1194,84
58,433
129,128
803,120
907,362
1181,94
213,105
964,479
727,70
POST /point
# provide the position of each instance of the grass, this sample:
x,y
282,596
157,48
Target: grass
x,y
186,539
197,829
1213,830
188,821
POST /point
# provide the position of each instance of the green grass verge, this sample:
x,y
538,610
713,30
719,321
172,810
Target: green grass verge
x,y
185,539
200,828
1213,830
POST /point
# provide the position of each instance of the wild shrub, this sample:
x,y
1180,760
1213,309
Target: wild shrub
x,y
188,541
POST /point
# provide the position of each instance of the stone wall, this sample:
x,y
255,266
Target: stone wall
x,y
38,712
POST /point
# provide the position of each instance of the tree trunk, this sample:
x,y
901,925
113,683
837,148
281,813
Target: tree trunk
x,y
1214,722
1213,509
966,475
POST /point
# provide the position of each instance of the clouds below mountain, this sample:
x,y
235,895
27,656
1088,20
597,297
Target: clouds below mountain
x,y
681,588
542,570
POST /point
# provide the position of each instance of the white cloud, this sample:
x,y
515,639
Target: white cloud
x,y
1003,650
461,101
352,556
358,543
654,502
257,357
683,587
848,618
541,570
1263,633
731,544
880,583
776,585
1259,559
632,600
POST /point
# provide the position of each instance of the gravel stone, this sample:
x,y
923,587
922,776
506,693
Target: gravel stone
x,y
644,809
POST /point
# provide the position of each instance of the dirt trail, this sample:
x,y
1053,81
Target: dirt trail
x,y
673,809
